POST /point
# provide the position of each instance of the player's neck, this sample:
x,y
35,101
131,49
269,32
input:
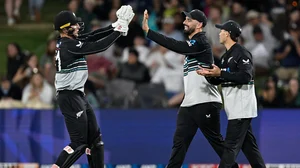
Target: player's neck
x,y
229,44
195,32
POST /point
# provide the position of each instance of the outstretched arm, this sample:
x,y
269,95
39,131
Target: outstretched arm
x,y
96,34
87,48
188,47
124,15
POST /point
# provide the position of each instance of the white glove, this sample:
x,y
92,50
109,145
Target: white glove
x,y
121,26
125,15
118,13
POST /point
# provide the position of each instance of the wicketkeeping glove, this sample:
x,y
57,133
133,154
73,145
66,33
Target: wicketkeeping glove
x,y
125,15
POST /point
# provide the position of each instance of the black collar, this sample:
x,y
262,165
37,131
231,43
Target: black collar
x,y
198,34
232,47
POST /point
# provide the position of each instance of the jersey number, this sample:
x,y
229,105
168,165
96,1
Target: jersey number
x,y
57,61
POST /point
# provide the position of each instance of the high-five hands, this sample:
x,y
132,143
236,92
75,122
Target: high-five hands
x,y
125,15
145,26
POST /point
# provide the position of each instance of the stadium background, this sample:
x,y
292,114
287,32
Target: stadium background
x,y
138,128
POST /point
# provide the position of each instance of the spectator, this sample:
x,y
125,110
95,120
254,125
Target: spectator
x,y
140,45
12,9
9,90
212,32
291,93
111,18
238,13
100,70
278,14
178,19
133,69
253,18
294,16
73,5
171,7
103,9
288,54
260,52
38,91
25,71
171,75
35,7
168,29
156,60
47,62
271,96
15,58
85,12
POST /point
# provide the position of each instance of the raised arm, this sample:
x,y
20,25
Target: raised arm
x,y
188,47
96,34
87,48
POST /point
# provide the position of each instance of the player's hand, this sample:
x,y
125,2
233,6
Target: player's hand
x,y
125,15
145,21
214,72
202,71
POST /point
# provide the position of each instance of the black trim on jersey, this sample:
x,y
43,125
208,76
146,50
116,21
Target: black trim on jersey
x,y
192,64
75,64
74,69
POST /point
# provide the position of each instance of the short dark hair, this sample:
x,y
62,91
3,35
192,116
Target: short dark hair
x,y
234,38
133,51
257,29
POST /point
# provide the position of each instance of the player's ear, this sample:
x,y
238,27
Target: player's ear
x,y
199,25
228,34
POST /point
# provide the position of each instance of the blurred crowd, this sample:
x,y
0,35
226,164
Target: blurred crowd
x,y
137,73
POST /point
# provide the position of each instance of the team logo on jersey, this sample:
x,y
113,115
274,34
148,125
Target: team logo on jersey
x,y
80,44
79,114
191,42
246,61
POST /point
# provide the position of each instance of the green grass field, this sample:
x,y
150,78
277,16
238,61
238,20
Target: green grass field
x,y
31,36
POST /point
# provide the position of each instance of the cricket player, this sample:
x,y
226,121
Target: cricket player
x,y
71,75
202,102
236,78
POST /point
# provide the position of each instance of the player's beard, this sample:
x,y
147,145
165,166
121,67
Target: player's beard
x,y
189,31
